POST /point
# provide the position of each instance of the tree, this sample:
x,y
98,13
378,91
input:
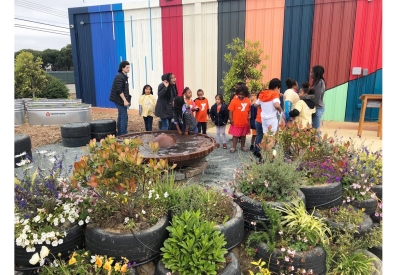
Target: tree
x,y
64,59
35,53
245,66
49,56
29,78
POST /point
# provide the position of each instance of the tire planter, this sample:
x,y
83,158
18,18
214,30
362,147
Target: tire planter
x,y
253,211
233,229
73,240
378,191
103,125
75,142
75,130
232,267
377,262
22,143
363,228
100,135
312,259
377,251
369,205
323,196
140,247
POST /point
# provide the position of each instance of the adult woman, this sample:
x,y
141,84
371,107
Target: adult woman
x,y
318,84
166,94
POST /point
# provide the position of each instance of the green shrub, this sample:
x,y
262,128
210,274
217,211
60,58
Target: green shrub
x,y
194,246
54,88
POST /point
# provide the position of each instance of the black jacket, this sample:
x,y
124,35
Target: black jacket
x,y
309,100
164,101
221,118
120,85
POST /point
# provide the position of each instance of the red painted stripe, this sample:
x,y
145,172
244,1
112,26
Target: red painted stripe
x,y
172,39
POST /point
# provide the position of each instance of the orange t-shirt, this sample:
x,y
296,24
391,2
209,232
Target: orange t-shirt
x,y
240,111
258,116
190,103
202,113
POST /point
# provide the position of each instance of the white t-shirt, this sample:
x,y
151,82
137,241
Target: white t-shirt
x,y
267,108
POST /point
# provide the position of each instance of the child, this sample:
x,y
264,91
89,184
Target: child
x,y
183,116
187,94
253,112
290,97
147,105
259,129
203,111
239,116
219,114
304,108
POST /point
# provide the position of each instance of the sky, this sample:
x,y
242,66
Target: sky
x,y
49,15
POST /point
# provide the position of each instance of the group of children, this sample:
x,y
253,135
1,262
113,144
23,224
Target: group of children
x,y
189,115
257,115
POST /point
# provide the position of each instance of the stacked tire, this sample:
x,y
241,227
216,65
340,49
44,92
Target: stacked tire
x,y
22,144
75,134
101,128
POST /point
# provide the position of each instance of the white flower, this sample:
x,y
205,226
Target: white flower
x,y
143,212
126,220
87,219
20,155
44,252
280,232
54,243
166,195
283,249
274,152
157,196
93,259
60,241
81,222
34,259
42,152
55,263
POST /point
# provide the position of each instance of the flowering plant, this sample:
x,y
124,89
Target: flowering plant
x,y
274,179
45,204
80,262
323,171
130,191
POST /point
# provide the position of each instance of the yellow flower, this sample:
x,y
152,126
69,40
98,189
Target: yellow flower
x,y
99,261
123,268
117,267
107,265
72,261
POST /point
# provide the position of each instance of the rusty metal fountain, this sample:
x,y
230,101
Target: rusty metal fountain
x,y
188,152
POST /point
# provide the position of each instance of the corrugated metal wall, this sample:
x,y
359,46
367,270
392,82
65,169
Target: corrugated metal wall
x,y
335,103
371,84
200,41
231,24
106,26
181,36
367,43
172,40
297,37
332,39
143,34
264,23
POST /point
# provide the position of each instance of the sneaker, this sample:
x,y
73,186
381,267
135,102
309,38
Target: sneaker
x,y
257,154
252,148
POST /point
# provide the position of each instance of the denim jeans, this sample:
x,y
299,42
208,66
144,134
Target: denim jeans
x,y
122,119
165,123
317,118
259,136
148,123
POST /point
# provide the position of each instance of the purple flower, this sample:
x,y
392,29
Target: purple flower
x,y
335,209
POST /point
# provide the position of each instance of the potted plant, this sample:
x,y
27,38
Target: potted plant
x,y
216,205
132,199
48,210
195,246
297,241
81,262
346,217
273,181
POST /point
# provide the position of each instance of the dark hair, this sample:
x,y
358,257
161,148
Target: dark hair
x,y
240,83
310,91
199,90
318,71
243,89
122,65
185,90
290,83
273,83
305,85
220,98
144,88
179,101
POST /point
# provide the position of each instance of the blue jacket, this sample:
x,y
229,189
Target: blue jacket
x,y
253,111
221,118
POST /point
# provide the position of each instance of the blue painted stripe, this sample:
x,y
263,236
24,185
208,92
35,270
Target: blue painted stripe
x,y
131,32
151,40
145,67
133,85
